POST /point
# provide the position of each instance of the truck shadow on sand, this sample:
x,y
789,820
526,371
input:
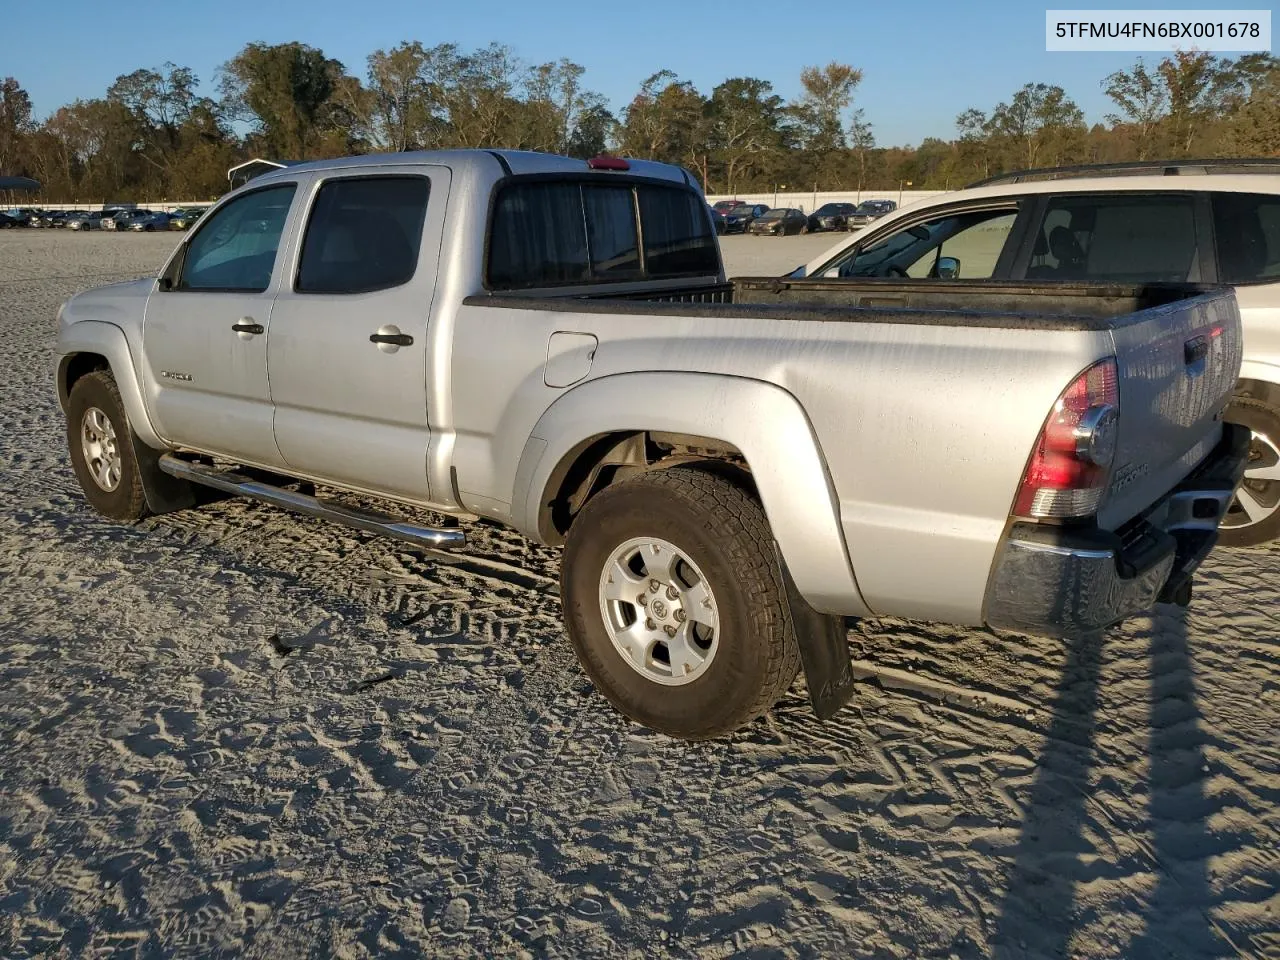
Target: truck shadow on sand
x,y
1045,901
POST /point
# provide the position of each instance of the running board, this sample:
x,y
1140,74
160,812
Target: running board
x,y
229,481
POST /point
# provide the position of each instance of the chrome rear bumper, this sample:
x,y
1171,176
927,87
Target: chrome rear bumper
x,y
1066,582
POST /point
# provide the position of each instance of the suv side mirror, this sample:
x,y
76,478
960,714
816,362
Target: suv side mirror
x,y
948,268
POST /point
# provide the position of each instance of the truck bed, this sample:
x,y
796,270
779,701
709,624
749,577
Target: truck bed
x,y
969,303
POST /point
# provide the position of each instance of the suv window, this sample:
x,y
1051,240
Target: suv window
x,y
974,237
553,233
235,249
1246,228
1118,238
364,234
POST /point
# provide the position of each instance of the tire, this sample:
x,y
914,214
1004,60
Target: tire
x,y
124,501
749,658
1254,514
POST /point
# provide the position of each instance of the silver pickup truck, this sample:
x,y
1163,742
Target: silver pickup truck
x,y
732,468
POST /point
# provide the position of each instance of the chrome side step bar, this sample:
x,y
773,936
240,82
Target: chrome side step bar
x,y
230,481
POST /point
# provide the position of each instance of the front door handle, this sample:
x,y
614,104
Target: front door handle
x,y
246,326
399,339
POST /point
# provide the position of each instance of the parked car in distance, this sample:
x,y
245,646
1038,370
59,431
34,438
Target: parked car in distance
x,y
44,219
85,220
113,219
739,218
185,219
724,206
718,219
831,216
780,222
871,210
1184,221
145,221
12,218
731,471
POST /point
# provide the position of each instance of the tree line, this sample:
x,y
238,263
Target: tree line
x,y
152,136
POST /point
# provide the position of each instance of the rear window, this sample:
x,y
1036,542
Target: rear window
x,y
1246,229
555,233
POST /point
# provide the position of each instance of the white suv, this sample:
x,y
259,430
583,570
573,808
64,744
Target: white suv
x,y
1198,221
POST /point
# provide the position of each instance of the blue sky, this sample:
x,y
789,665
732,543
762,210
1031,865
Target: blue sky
x,y
923,61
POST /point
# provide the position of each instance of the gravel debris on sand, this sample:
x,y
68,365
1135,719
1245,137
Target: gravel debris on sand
x,y
233,732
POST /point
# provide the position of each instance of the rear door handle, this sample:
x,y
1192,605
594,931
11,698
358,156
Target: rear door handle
x,y
397,339
247,325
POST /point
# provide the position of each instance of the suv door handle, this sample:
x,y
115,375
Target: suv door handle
x,y
397,339
247,325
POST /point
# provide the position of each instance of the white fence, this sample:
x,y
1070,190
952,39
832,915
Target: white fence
x,y
167,206
811,200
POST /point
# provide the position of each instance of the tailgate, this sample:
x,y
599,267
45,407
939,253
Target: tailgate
x,y
1178,366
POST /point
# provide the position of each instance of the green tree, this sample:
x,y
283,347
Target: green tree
x,y
827,92
748,130
1143,102
665,121
15,123
287,90
1040,123
1201,88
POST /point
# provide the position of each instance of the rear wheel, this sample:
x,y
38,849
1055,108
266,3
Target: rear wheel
x,y
1253,516
675,604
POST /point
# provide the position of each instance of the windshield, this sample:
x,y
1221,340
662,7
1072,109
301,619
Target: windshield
x,y
872,206
828,209
742,210
774,215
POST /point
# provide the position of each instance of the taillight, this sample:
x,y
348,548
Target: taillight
x,y
1068,469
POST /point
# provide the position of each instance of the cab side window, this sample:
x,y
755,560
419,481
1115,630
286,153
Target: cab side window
x,y
1118,239
235,250
1246,230
364,234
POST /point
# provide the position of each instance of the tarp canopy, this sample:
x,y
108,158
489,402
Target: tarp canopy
x,y
19,183
244,172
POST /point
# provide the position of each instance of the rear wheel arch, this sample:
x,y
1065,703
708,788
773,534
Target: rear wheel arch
x,y
604,460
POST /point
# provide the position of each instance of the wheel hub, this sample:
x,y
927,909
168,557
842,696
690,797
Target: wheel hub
x,y
659,611
100,449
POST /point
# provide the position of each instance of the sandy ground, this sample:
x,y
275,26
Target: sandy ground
x,y
233,732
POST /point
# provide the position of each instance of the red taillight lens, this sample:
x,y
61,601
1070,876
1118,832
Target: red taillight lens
x,y
1068,469
608,163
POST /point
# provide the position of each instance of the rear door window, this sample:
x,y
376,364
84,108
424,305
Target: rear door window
x,y
364,234
1117,238
1246,230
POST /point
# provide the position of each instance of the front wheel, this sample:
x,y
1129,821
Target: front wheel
x,y
101,447
675,603
1253,516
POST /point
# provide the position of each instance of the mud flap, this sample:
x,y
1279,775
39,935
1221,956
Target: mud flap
x,y
163,493
824,651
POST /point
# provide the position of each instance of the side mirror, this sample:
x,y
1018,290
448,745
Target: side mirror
x,y
948,268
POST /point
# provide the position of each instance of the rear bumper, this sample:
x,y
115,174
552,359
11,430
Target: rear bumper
x,y
1065,582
